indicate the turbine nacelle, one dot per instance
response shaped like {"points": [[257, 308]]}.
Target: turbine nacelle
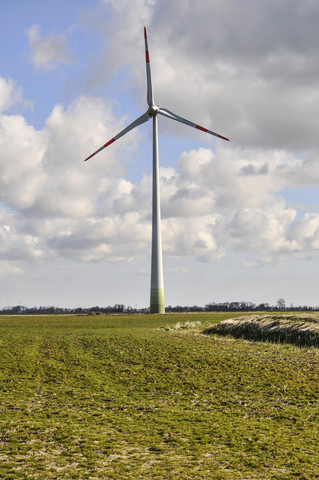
{"points": [[153, 110]]}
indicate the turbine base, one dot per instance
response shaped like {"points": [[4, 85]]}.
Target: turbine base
{"points": [[157, 300]]}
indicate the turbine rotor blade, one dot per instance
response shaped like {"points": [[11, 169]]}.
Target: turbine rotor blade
{"points": [[173, 116], [142, 119], [150, 99]]}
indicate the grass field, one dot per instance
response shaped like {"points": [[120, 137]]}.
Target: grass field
{"points": [[150, 397]]}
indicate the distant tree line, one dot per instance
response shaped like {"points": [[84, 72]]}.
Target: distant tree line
{"points": [[120, 308], [20, 310], [243, 307]]}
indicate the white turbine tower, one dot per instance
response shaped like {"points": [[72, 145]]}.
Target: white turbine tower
{"points": [[157, 304]]}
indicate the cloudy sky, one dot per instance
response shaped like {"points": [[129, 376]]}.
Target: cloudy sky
{"points": [[240, 219]]}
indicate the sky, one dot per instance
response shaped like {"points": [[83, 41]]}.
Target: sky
{"points": [[240, 219]]}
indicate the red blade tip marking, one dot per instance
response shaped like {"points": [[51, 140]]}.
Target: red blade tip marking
{"points": [[105, 145], [147, 56], [109, 142], [145, 34], [89, 157], [201, 128], [224, 138]]}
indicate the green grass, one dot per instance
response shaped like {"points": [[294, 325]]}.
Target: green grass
{"points": [[149, 397]]}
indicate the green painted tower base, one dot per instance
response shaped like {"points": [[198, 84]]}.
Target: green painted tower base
{"points": [[157, 300]]}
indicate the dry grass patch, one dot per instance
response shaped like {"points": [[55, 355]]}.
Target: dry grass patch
{"points": [[298, 329]]}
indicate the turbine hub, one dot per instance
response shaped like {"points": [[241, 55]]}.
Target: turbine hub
{"points": [[153, 109]]}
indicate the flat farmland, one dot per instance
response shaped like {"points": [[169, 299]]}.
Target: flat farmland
{"points": [[151, 397]]}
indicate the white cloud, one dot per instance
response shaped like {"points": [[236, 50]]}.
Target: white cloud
{"points": [[305, 232], [23, 148], [48, 51], [262, 230], [10, 94], [59, 205], [200, 237]]}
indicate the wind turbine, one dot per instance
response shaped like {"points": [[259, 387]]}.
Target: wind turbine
{"points": [[157, 304]]}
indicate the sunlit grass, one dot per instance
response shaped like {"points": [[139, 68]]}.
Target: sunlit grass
{"points": [[128, 397]]}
